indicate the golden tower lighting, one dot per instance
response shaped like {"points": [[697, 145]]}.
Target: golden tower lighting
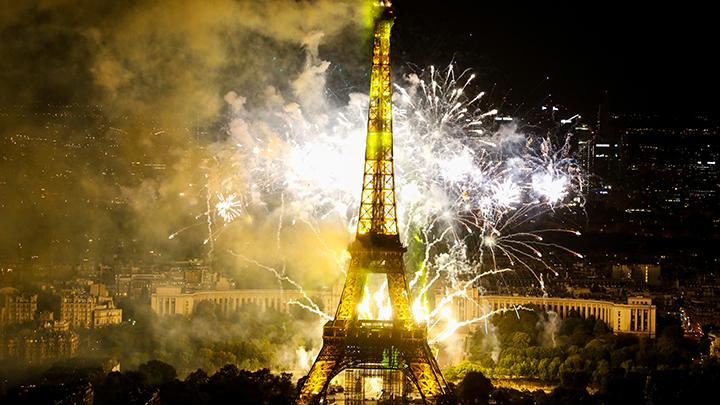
{"points": [[398, 345]]}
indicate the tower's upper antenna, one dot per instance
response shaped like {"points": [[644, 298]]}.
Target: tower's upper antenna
{"points": [[378, 211], [385, 9]]}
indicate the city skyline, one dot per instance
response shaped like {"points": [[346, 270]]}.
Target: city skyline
{"points": [[114, 136], [341, 201]]}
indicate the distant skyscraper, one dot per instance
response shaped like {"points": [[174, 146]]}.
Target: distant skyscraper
{"points": [[605, 152]]}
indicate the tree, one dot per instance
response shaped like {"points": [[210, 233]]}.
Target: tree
{"points": [[461, 370], [520, 340], [624, 388], [509, 396], [474, 388], [122, 389], [601, 373], [573, 373], [206, 310], [542, 368], [554, 368], [646, 355], [197, 377], [669, 387], [579, 337], [600, 328], [569, 396], [619, 356], [669, 346], [155, 373], [521, 321]]}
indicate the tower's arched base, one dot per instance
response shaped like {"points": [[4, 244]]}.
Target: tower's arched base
{"points": [[394, 350]]}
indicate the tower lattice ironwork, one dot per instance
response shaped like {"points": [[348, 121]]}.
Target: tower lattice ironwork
{"points": [[401, 343]]}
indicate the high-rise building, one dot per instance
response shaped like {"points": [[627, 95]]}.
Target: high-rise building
{"points": [[583, 137], [604, 151]]}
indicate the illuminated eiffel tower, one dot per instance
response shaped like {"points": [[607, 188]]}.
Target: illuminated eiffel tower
{"points": [[399, 345]]}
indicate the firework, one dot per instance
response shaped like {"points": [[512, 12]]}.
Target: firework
{"points": [[228, 207], [467, 189]]}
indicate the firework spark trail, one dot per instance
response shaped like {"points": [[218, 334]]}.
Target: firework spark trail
{"points": [[210, 238], [459, 180], [340, 261], [181, 230], [453, 326], [311, 305], [312, 309], [280, 221], [461, 291], [428, 247]]}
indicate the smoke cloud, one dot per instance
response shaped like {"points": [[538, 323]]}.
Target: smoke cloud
{"points": [[124, 109]]}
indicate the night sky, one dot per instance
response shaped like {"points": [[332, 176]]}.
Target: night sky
{"points": [[649, 58], [654, 58]]}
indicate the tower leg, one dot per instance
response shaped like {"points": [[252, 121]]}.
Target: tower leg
{"points": [[324, 368], [426, 374], [351, 295], [398, 291]]}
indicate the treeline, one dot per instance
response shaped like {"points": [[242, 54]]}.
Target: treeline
{"points": [[249, 339], [531, 344], [698, 384], [154, 382], [578, 354]]}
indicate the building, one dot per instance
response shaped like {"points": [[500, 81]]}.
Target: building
{"points": [[637, 316], [584, 146], [656, 167], [714, 350], [89, 311], [16, 307], [52, 340], [643, 274], [672, 165], [106, 314], [77, 309], [172, 301], [98, 290], [137, 285]]}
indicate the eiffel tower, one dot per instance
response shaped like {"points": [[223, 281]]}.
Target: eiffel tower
{"points": [[401, 344]]}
